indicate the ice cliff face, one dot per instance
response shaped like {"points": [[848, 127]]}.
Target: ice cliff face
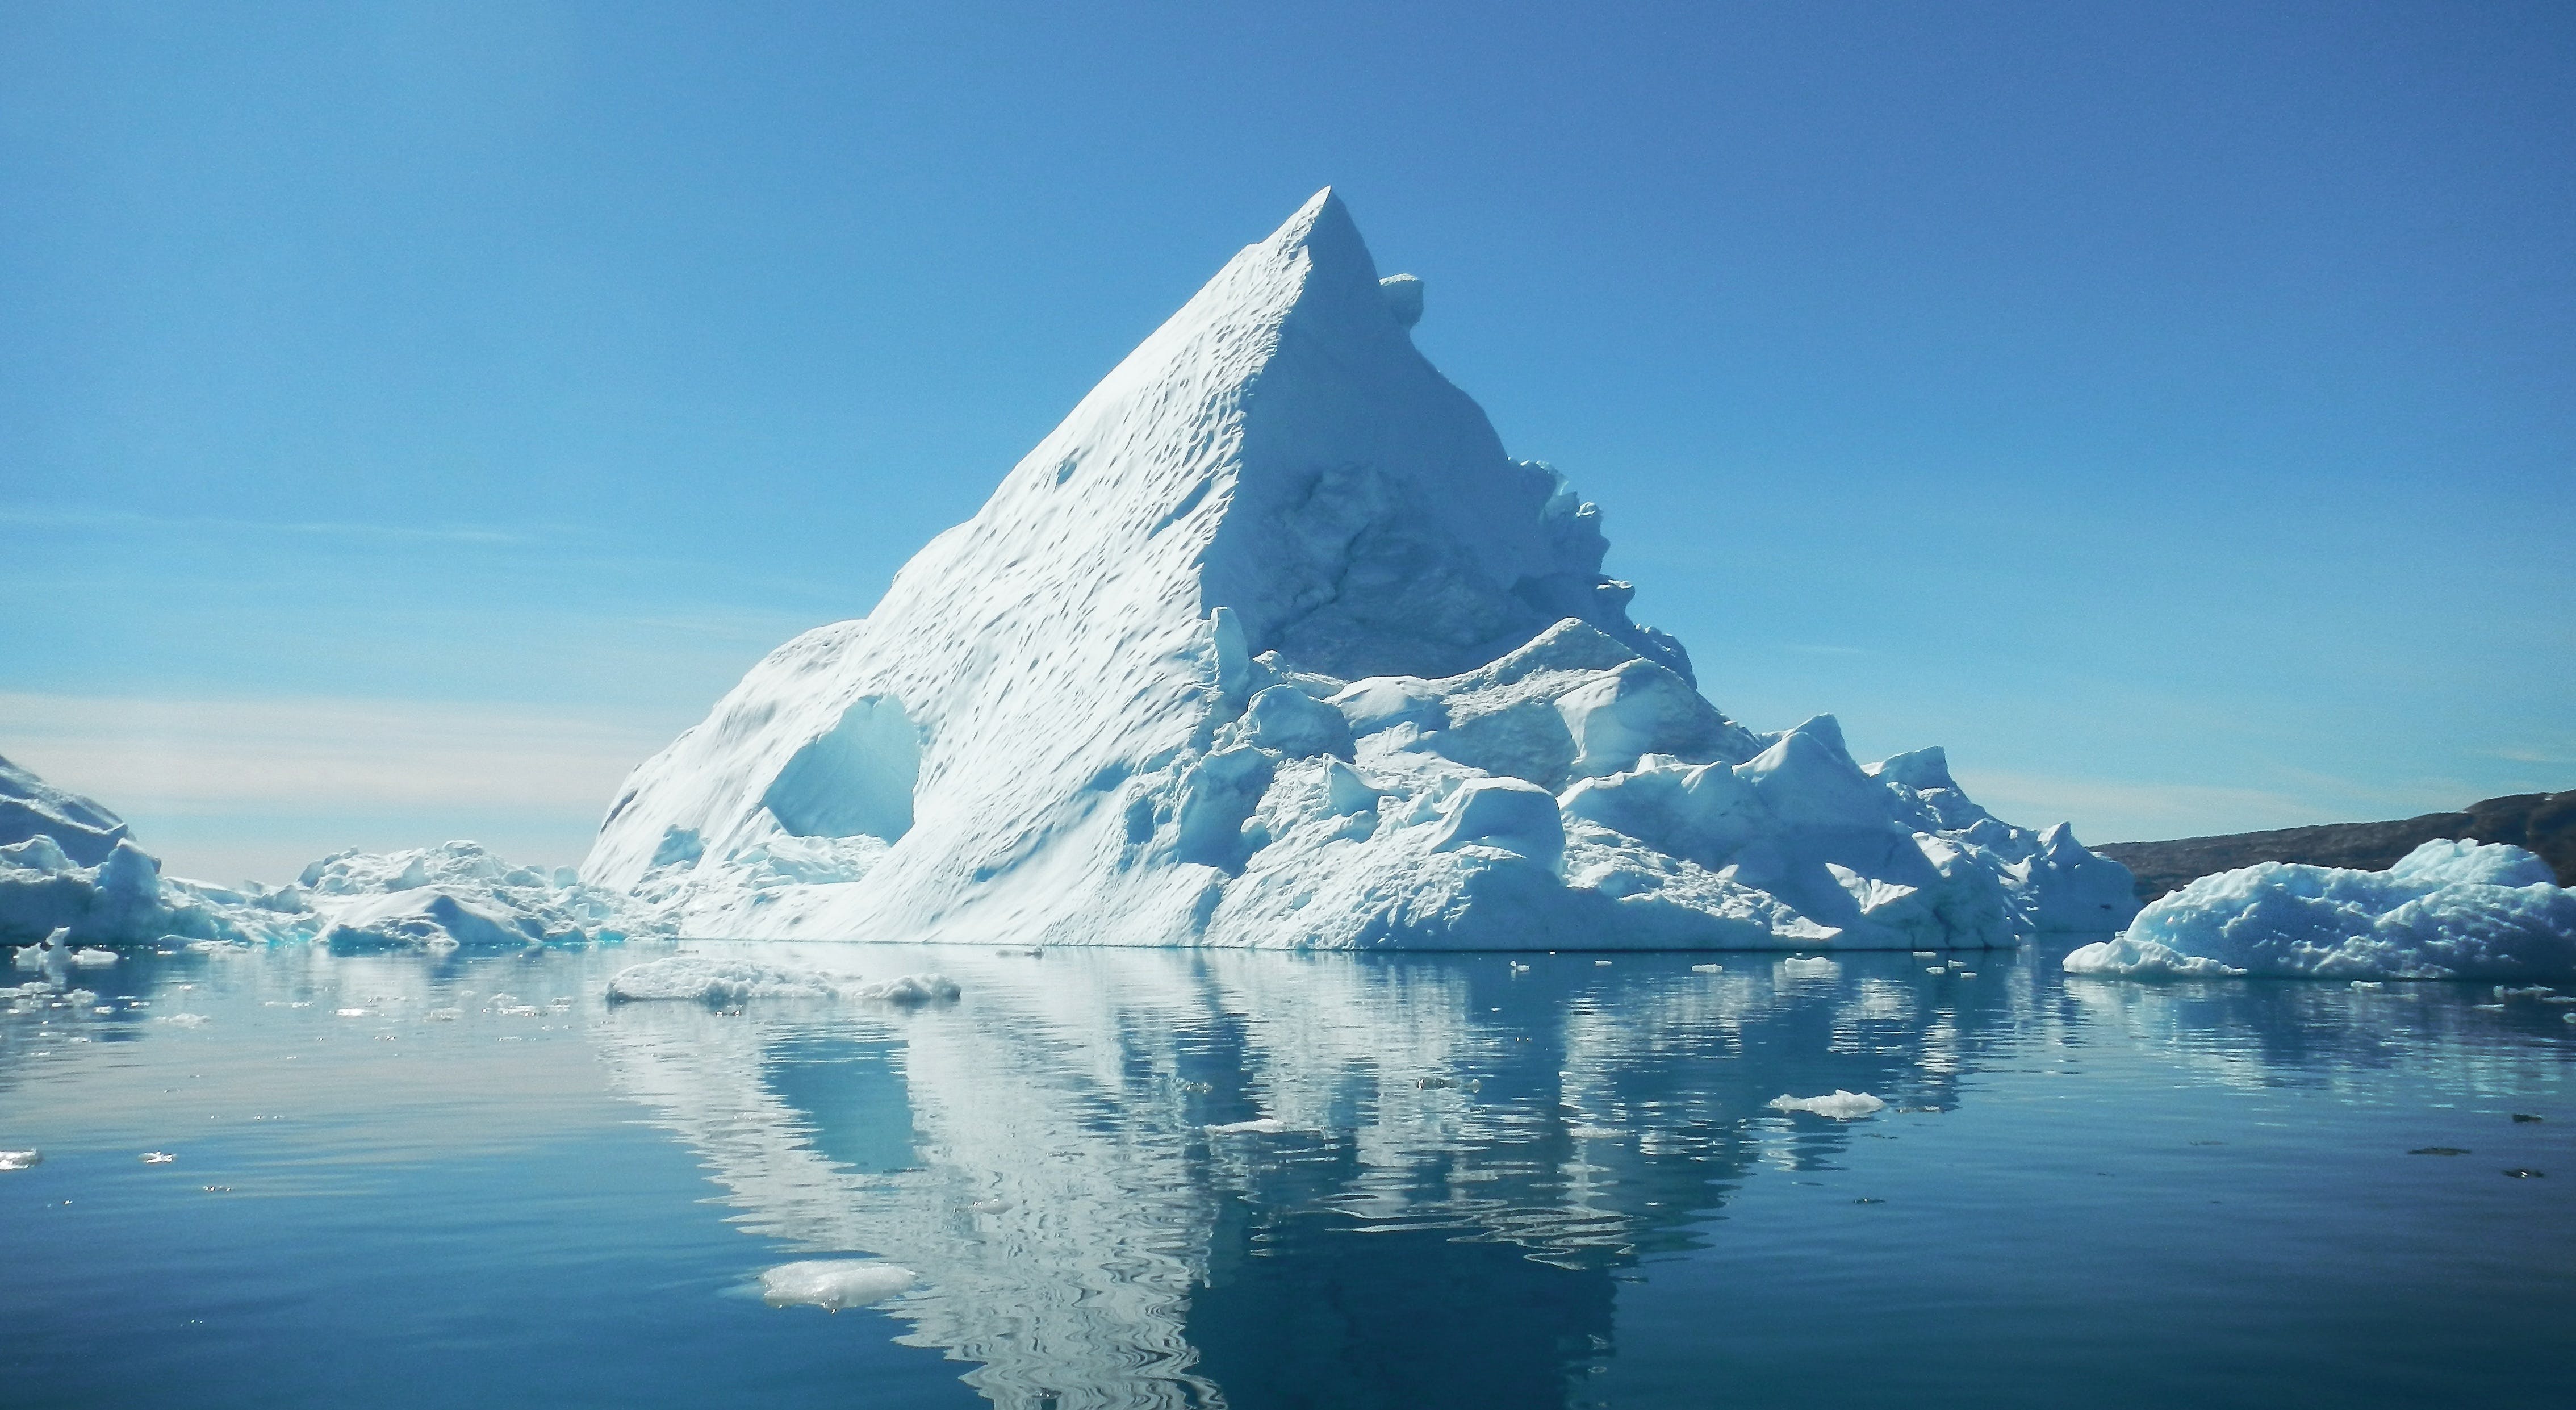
{"points": [[1271, 644]]}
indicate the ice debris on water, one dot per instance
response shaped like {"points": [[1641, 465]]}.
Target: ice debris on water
{"points": [[159, 1157], [182, 1020], [834, 1283], [21, 1160], [708, 979], [93, 958], [1839, 1104], [1708, 969], [2447, 910], [1805, 967], [1258, 1126]]}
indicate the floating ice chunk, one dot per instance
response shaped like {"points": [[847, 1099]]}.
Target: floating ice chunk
{"points": [[20, 1160], [443, 1015], [715, 981], [182, 1020], [2446, 910], [834, 1283], [995, 1205], [1840, 1105], [1258, 1126], [1809, 967], [910, 989], [350, 1013], [93, 958], [1708, 969], [159, 1157]]}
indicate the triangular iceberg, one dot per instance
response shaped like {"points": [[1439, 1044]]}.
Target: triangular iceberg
{"points": [[1270, 643]]}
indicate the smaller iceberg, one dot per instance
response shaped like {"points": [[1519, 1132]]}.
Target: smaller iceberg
{"points": [[2447, 910], [834, 1283]]}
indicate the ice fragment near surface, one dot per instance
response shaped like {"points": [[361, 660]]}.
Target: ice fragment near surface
{"points": [[1839, 1104], [834, 1283]]}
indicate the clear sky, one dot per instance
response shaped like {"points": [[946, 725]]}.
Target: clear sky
{"points": [[411, 415]]}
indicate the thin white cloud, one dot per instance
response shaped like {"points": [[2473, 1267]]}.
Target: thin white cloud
{"points": [[315, 755], [118, 521], [2120, 810]]}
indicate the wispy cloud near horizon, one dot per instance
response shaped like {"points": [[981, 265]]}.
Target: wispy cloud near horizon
{"points": [[259, 786]]}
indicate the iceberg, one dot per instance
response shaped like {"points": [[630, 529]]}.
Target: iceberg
{"points": [[1271, 644], [2447, 910], [72, 880]]}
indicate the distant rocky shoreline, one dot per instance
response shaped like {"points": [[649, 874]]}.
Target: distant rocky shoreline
{"points": [[2545, 823]]}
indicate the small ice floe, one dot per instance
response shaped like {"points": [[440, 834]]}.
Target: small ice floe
{"points": [[911, 989], [834, 1283], [1600, 964], [1708, 969], [715, 981], [21, 1160], [1839, 1104], [1964, 973], [443, 1015], [2368, 984], [1927, 954], [1258, 1126], [349, 1013], [2525, 991], [518, 1010], [93, 958], [2488, 1008], [183, 1020], [995, 1205], [159, 1157], [1934, 969], [2558, 998]]}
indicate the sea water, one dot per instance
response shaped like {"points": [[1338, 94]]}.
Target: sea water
{"points": [[1166, 1178]]}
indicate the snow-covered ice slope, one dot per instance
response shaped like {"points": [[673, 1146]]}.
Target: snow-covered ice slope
{"points": [[2447, 910], [1271, 644]]}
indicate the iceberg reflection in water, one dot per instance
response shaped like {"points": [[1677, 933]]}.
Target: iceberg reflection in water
{"points": [[1261, 1179], [1130, 1175]]}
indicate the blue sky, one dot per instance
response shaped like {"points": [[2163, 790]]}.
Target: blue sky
{"points": [[412, 415]]}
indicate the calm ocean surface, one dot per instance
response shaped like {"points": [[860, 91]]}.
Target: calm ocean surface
{"points": [[1558, 1187]]}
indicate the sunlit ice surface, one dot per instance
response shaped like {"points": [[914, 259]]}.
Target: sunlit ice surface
{"points": [[1173, 1178]]}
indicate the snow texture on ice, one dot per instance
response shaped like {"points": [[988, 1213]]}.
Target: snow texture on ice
{"points": [[1270, 643], [2447, 910]]}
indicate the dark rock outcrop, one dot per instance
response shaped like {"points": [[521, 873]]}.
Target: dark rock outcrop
{"points": [[2545, 823]]}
